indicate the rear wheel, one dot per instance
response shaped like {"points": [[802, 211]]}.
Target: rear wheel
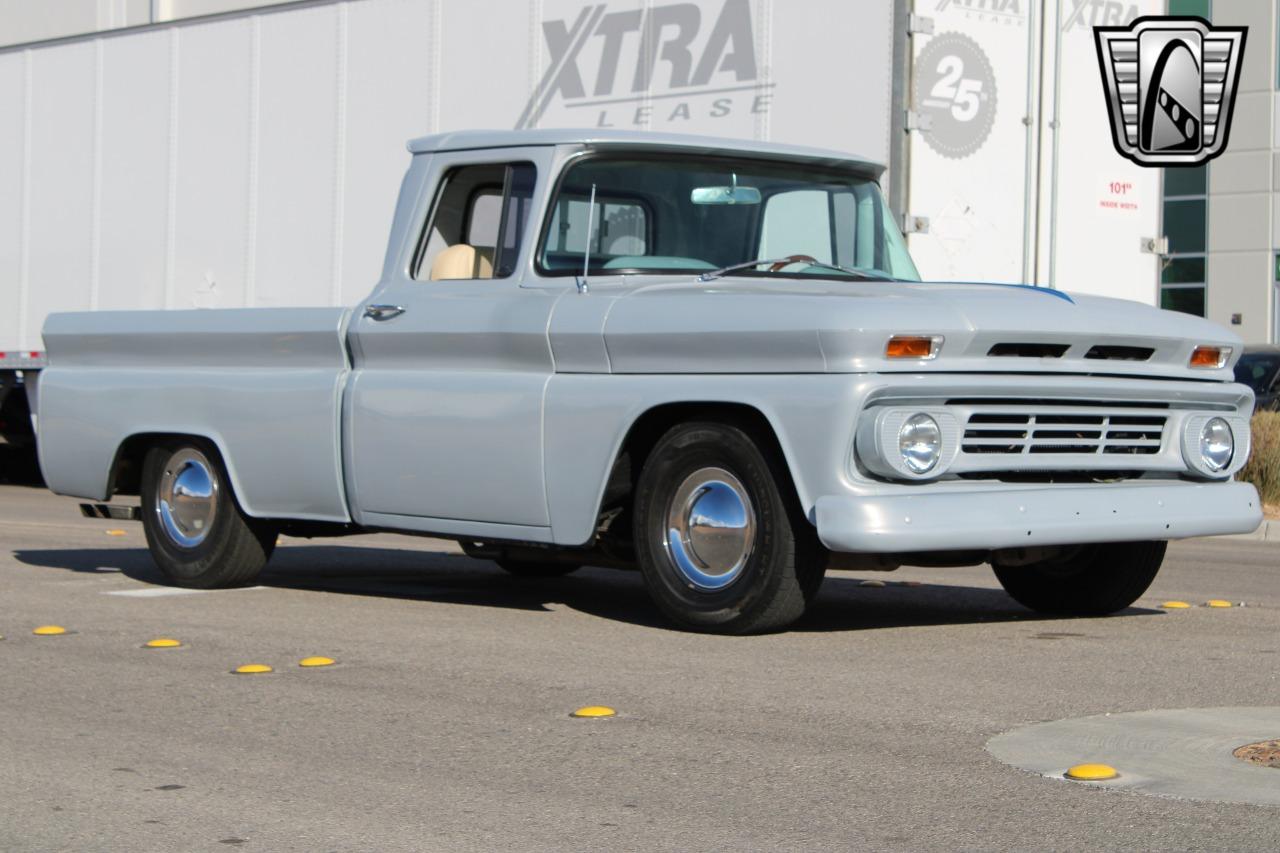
{"points": [[721, 547], [197, 533], [1091, 580]]}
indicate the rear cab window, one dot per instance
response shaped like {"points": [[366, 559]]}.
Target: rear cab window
{"points": [[619, 229]]}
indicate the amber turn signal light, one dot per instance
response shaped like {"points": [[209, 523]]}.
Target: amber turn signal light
{"points": [[913, 346], [1210, 357]]}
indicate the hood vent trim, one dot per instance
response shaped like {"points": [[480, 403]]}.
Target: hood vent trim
{"points": [[1097, 352], [1028, 350], [1113, 352]]}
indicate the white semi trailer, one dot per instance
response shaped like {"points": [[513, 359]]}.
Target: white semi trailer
{"points": [[174, 165]]}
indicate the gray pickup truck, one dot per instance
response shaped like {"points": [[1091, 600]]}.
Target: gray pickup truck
{"points": [[711, 360]]}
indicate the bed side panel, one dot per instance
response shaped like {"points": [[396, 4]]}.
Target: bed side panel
{"points": [[262, 384]]}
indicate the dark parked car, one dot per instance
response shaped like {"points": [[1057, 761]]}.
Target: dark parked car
{"points": [[1259, 368]]}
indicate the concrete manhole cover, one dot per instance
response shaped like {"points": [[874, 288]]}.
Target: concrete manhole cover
{"points": [[1192, 753], [1264, 753]]}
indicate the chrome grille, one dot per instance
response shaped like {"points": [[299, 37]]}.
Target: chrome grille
{"points": [[1062, 431]]}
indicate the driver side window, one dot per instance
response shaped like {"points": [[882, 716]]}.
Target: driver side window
{"points": [[478, 223]]}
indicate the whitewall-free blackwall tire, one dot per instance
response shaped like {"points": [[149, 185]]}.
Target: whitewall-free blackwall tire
{"points": [[195, 529], [721, 546]]}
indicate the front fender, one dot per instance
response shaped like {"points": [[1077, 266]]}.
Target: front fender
{"points": [[587, 419]]}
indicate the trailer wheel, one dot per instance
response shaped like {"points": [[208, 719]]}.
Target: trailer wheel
{"points": [[196, 531], [719, 546], [1092, 580]]}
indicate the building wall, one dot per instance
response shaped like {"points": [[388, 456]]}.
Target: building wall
{"points": [[23, 21], [1244, 205], [1238, 258]]}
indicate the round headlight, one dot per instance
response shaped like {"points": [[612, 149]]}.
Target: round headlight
{"points": [[920, 443], [1217, 444]]}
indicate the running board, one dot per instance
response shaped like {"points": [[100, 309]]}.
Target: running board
{"points": [[119, 513]]}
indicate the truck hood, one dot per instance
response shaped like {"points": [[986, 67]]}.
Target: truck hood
{"points": [[756, 325]]}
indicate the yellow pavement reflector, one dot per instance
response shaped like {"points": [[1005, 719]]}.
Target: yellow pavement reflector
{"points": [[1092, 772], [1175, 605], [316, 660], [163, 643], [49, 631], [872, 583], [252, 668], [1217, 602], [594, 711], [114, 532]]}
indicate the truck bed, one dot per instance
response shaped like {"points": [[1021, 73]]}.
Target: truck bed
{"points": [[263, 383]]}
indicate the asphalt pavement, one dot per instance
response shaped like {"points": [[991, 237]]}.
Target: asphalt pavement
{"points": [[444, 723]]}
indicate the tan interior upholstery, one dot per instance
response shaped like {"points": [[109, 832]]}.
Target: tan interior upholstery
{"points": [[462, 261]]}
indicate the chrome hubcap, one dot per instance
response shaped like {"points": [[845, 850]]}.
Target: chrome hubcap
{"points": [[188, 498], [711, 529]]}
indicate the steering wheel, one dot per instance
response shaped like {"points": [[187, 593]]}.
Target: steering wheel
{"points": [[792, 259]]}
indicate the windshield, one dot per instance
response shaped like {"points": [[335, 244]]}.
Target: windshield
{"points": [[1257, 370], [689, 214]]}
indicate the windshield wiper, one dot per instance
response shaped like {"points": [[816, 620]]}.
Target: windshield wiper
{"points": [[778, 263]]}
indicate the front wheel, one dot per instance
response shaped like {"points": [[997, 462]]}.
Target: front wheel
{"points": [[722, 548], [1092, 580], [198, 535]]}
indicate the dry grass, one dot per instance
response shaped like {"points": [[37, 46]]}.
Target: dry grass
{"points": [[1263, 469]]}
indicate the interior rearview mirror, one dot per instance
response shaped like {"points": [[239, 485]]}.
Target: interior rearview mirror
{"points": [[725, 195], [732, 194]]}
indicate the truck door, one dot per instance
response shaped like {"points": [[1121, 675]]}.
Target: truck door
{"points": [[444, 410]]}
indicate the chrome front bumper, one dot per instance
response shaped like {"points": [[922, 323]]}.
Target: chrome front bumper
{"points": [[1060, 515]]}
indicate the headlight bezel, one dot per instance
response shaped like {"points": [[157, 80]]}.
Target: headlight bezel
{"points": [[876, 446], [1192, 429]]}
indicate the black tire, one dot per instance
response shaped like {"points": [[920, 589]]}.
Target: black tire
{"points": [[1092, 580], [785, 564], [15, 419], [527, 569], [230, 552]]}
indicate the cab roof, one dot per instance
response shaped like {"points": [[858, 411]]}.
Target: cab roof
{"points": [[467, 140]]}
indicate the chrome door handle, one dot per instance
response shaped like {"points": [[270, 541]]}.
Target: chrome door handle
{"points": [[382, 312]]}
